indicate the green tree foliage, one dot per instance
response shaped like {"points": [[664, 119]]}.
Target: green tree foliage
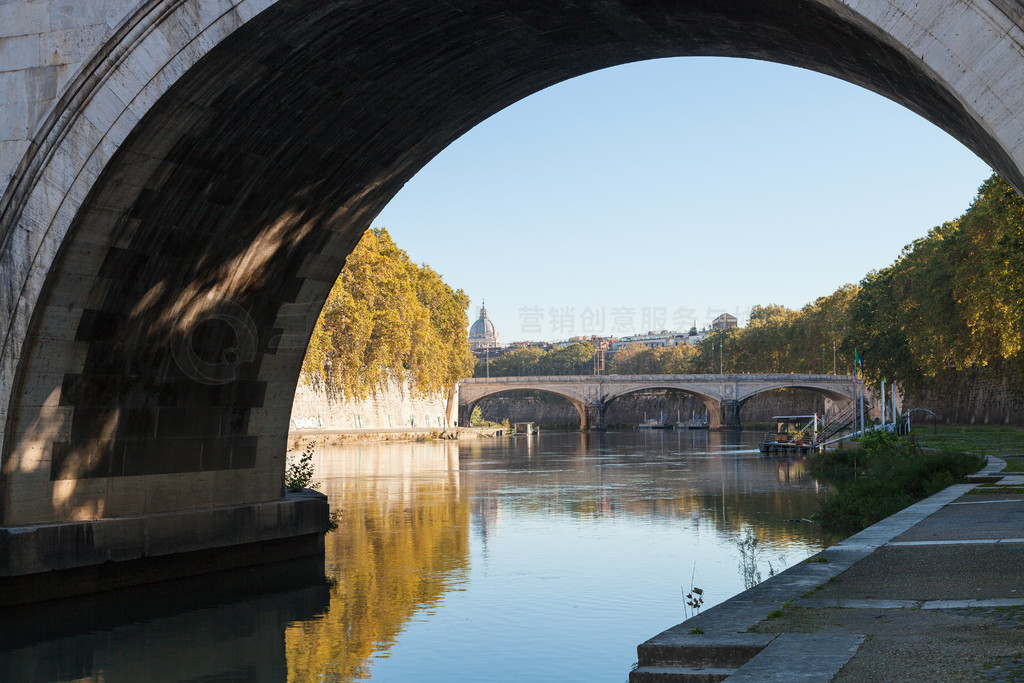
{"points": [[952, 301], [531, 361], [574, 359], [387, 317], [521, 362], [638, 359]]}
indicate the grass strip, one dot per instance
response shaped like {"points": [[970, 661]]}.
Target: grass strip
{"points": [[998, 440]]}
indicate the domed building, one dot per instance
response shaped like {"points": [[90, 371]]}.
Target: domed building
{"points": [[482, 333]]}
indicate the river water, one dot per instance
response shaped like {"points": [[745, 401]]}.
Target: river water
{"points": [[544, 557]]}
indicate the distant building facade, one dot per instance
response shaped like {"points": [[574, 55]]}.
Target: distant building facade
{"points": [[724, 322], [663, 339], [484, 341]]}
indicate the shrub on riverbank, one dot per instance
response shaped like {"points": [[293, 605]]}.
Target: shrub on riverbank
{"points": [[881, 477]]}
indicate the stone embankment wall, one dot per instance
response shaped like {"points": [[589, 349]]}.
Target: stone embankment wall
{"points": [[630, 410], [394, 406], [972, 398]]}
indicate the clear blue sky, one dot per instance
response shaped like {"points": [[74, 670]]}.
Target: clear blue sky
{"points": [[649, 195]]}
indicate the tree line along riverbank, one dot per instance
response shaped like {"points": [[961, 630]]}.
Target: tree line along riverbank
{"points": [[945, 321]]}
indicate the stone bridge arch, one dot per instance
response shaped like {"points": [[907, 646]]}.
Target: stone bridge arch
{"points": [[181, 186], [828, 390], [834, 399], [577, 401], [711, 400]]}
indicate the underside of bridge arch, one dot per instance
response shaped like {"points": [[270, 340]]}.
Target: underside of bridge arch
{"points": [[547, 408], [168, 332], [623, 408], [796, 399], [830, 394], [764, 405]]}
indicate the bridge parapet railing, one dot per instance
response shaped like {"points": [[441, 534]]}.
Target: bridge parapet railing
{"points": [[534, 379]]}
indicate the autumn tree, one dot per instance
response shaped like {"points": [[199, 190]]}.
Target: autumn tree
{"points": [[388, 318]]}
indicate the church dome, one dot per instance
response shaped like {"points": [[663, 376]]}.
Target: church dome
{"points": [[483, 334]]}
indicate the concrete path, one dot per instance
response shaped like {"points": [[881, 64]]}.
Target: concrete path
{"points": [[932, 593]]}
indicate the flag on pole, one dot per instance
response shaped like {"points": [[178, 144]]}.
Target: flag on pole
{"points": [[858, 365]]}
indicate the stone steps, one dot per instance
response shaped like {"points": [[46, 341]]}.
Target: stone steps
{"points": [[674, 674], [696, 658]]}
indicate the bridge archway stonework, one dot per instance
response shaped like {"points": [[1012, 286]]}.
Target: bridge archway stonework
{"points": [[181, 181], [467, 402], [723, 394]]}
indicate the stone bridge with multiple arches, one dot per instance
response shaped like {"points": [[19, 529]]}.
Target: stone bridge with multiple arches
{"points": [[723, 395], [182, 180]]}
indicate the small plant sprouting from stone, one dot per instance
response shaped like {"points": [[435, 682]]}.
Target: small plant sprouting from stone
{"points": [[696, 631], [750, 551], [299, 474], [750, 557], [694, 600]]}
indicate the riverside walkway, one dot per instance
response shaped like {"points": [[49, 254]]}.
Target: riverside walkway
{"points": [[932, 593]]}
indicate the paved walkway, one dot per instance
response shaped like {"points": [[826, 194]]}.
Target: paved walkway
{"points": [[933, 593]]}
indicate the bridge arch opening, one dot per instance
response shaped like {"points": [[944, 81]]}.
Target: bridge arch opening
{"points": [[165, 271], [668, 403], [548, 409], [762, 406]]}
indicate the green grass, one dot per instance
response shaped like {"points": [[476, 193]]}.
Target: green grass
{"points": [[992, 490], [1014, 465], [999, 440]]}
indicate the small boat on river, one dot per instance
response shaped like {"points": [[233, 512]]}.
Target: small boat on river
{"points": [[792, 436]]}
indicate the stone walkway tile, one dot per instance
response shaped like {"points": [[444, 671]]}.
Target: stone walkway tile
{"points": [[805, 657], [859, 604], [971, 604]]}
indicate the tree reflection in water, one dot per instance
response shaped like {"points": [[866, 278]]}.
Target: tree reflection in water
{"points": [[402, 542]]}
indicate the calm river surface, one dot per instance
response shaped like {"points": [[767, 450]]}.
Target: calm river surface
{"points": [[545, 557]]}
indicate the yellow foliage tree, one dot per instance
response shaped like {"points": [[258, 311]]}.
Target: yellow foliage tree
{"points": [[388, 318]]}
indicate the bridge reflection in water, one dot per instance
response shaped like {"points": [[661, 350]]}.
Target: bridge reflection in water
{"points": [[480, 560]]}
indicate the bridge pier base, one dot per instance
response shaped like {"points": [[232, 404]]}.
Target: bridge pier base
{"points": [[731, 415], [52, 561], [593, 417]]}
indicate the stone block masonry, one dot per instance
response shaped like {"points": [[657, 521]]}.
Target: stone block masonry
{"points": [[43, 44], [393, 406]]}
